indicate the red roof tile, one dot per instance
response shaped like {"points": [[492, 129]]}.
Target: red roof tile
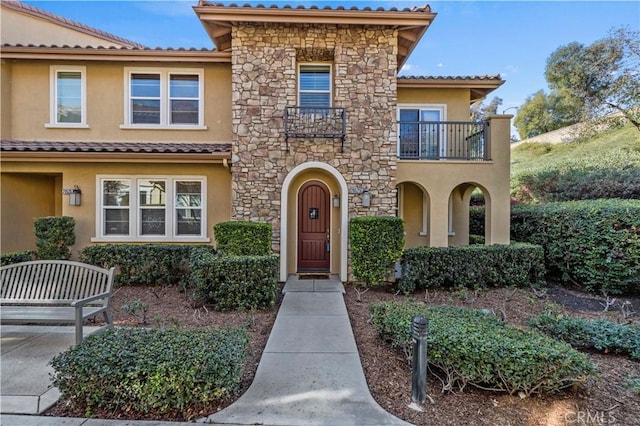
{"points": [[114, 147]]}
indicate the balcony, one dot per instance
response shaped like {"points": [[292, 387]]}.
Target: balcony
{"points": [[443, 140], [315, 122]]}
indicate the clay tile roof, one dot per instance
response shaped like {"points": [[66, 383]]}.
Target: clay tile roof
{"points": [[9, 145], [113, 48], [78, 26], [425, 8], [457, 77]]}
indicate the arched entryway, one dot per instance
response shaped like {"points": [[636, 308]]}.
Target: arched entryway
{"points": [[314, 227], [314, 179]]}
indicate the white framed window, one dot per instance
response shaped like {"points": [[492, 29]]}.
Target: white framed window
{"points": [[420, 134], [68, 94], [164, 99], [150, 208], [314, 85]]}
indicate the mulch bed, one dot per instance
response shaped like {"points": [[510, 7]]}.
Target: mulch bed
{"points": [[604, 400]]}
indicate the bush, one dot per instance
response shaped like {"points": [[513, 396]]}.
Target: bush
{"points": [[601, 335], [472, 266], [470, 347], [143, 264], [243, 238], [54, 236], [141, 371], [16, 257], [594, 244], [476, 239], [476, 220], [235, 282], [376, 245]]}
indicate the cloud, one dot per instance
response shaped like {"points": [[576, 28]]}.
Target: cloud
{"points": [[510, 69], [440, 65], [407, 67]]}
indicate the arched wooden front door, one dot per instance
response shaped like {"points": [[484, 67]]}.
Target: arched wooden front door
{"points": [[313, 227]]}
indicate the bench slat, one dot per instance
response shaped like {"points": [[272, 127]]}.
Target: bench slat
{"points": [[45, 314]]}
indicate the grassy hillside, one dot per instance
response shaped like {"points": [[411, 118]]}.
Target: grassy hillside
{"points": [[606, 166]]}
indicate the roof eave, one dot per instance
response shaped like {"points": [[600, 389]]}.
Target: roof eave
{"points": [[123, 157], [478, 88], [107, 54]]}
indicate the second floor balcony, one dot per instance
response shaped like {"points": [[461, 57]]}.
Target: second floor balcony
{"points": [[315, 122], [443, 140]]}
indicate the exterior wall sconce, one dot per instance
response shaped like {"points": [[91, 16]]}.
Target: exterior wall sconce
{"points": [[366, 198], [75, 195], [336, 201]]}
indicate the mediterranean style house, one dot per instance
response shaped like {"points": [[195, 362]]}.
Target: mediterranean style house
{"points": [[297, 118]]}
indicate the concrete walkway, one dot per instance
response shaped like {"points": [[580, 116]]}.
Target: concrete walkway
{"points": [[309, 374]]}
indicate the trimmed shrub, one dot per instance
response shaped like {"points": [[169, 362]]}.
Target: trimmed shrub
{"points": [[16, 257], [470, 347], [597, 334], [594, 244], [376, 245], [54, 236], [243, 238], [144, 264], [472, 266], [476, 239], [160, 371], [476, 220], [235, 282]]}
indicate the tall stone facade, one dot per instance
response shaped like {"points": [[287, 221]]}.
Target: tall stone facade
{"points": [[265, 60]]}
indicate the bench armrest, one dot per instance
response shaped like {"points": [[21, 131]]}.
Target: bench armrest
{"points": [[81, 302]]}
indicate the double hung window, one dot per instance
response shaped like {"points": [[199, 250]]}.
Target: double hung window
{"points": [[314, 86], [150, 208], [164, 99], [68, 97]]}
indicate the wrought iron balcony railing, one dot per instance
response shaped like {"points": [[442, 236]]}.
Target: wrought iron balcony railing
{"points": [[315, 122], [443, 140]]}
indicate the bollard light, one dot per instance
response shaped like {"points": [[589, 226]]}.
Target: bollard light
{"points": [[419, 332]]}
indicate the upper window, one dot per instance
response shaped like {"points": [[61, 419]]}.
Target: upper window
{"points": [[420, 132], [143, 208], [314, 86], [68, 97], [164, 98]]}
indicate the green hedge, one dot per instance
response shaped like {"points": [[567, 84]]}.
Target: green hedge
{"points": [[144, 264], [599, 334], [243, 238], [476, 220], [470, 347], [16, 257], [159, 371], [376, 245], [54, 236], [472, 266], [235, 282], [595, 243]]}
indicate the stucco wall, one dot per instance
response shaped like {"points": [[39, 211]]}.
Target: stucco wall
{"points": [[29, 109], [456, 100], [24, 178], [264, 82]]}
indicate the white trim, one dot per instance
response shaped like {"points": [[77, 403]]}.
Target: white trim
{"points": [[164, 98], [343, 231], [53, 97], [134, 210], [317, 64]]}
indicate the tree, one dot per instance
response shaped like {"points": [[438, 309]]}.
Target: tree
{"points": [[543, 113], [480, 111], [601, 78]]}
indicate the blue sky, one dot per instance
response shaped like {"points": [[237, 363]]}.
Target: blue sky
{"points": [[510, 38]]}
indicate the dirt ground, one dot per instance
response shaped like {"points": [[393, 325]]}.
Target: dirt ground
{"points": [[605, 400]]}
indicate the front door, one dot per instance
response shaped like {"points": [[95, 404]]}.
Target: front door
{"points": [[313, 227]]}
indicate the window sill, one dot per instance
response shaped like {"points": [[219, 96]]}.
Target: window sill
{"points": [[159, 127], [423, 234], [66, 126], [115, 239]]}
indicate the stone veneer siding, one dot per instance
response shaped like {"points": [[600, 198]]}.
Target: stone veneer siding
{"points": [[264, 82]]}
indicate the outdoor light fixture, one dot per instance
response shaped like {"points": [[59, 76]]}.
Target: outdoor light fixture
{"points": [[336, 200], [74, 195], [366, 198]]}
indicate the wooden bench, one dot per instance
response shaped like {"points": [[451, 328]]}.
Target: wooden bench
{"points": [[55, 292]]}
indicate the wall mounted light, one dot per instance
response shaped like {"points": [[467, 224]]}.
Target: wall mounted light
{"points": [[75, 195], [366, 198], [336, 200]]}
